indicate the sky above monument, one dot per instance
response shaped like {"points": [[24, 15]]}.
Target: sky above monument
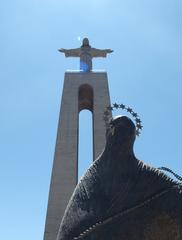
{"points": [[144, 72]]}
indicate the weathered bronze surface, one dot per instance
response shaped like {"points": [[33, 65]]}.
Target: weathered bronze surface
{"points": [[121, 198], [85, 53]]}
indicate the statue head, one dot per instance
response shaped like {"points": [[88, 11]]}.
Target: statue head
{"points": [[122, 131], [85, 43]]}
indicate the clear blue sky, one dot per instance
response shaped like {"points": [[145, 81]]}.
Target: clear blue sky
{"points": [[145, 72]]}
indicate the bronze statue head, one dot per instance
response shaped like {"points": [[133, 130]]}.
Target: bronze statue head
{"points": [[121, 133]]}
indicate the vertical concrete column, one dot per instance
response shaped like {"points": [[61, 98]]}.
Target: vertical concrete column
{"points": [[80, 91], [64, 172], [101, 102]]}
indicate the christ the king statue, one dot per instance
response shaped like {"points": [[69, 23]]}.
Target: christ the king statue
{"points": [[85, 53]]}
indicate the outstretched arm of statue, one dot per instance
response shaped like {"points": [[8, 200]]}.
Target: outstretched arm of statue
{"points": [[70, 52], [100, 52]]}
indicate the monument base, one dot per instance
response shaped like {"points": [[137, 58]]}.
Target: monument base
{"points": [[80, 91]]}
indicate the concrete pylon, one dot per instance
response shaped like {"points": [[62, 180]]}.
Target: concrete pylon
{"points": [[81, 90]]}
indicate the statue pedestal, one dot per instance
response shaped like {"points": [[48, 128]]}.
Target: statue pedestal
{"points": [[82, 90]]}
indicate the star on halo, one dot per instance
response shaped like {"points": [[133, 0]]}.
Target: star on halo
{"points": [[107, 116]]}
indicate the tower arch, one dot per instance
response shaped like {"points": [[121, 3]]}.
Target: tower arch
{"points": [[85, 103], [85, 97]]}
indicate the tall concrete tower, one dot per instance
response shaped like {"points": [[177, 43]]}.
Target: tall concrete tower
{"points": [[84, 89]]}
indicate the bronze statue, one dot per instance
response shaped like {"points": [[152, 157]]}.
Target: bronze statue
{"points": [[122, 198], [85, 53]]}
